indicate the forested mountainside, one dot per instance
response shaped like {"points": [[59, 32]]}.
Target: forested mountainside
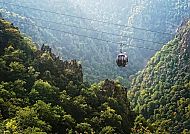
{"points": [[160, 93], [98, 58], [41, 93]]}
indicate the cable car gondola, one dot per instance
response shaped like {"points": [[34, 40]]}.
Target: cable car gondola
{"points": [[122, 59]]}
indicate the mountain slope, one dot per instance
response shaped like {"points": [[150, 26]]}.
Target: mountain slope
{"points": [[161, 91], [98, 58], [39, 93]]}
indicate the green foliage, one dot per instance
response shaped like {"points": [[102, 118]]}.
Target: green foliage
{"points": [[84, 128], [42, 91], [39, 93], [160, 93], [107, 130]]}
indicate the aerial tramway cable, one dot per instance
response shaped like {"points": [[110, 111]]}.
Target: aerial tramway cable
{"points": [[102, 32], [84, 18], [122, 58], [86, 36]]}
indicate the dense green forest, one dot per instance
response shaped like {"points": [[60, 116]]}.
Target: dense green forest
{"points": [[47, 75], [41, 93], [160, 93], [98, 57]]}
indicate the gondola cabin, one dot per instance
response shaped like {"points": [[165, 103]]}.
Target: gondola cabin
{"points": [[122, 60]]}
